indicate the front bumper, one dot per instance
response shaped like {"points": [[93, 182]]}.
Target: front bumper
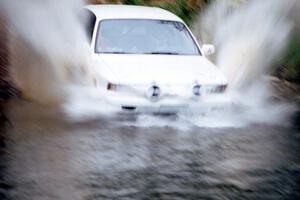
{"points": [[140, 104]]}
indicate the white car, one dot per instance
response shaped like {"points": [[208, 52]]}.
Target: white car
{"points": [[149, 60]]}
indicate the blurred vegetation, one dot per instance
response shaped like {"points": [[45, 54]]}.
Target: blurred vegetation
{"points": [[188, 10], [185, 9], [290, 69]]}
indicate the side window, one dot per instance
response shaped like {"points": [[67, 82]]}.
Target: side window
{"points": [[88, 20]]}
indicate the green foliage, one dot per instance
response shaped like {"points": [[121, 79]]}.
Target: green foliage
{"points": [[292, 61], [180, 8], [134, 2]]}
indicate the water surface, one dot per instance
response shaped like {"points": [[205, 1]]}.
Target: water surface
{"points": [[45, 156]]}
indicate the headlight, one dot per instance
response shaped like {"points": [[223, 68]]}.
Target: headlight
{"points": [[154, 91], [215, 89], [220, 88], [119, 88], [196, 90], [111, 87]]}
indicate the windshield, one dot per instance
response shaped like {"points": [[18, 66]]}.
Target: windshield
{"points": [[139, 36]]}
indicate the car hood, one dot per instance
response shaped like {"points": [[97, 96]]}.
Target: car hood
{"points": [[162, 69]]}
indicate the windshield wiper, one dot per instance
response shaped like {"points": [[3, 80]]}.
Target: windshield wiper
{"points": [[163, 53], [155, 53], [114, 52]]}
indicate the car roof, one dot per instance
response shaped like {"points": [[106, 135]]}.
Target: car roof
{"points": [[131, 12]]}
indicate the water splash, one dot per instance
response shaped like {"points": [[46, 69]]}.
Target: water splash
{"points": [[50, 59], [250, 36], [46, 42]]}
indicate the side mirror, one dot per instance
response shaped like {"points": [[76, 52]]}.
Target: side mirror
{"points": [[208, 49]]}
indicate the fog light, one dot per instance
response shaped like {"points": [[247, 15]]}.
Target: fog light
{"points": [[196, 90], [154, 91]]}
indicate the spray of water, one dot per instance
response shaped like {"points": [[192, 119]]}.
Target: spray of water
{"points": [[50, 58], [250, 36], [46, 42]]}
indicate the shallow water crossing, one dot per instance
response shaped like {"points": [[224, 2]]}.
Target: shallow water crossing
{"points": [[45, 157], [72, 145]]}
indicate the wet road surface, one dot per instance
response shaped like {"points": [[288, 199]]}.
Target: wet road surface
{"points": [[46, 157]]}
